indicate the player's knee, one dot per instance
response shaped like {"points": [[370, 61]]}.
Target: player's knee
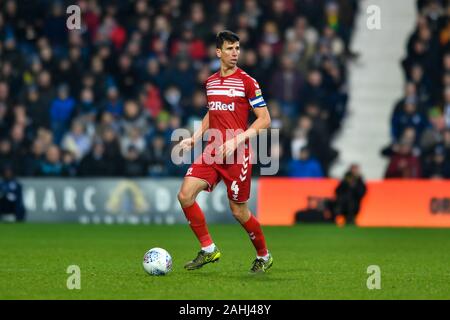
{"points": [[238, 213], [185, 198]]}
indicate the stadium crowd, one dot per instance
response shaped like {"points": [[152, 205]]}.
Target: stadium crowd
{"points": [[420, 124], [104, 100]]}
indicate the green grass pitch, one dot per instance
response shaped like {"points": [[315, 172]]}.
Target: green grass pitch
{"points": [[310, 262]]}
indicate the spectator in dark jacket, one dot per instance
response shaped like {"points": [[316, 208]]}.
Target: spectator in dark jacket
{"points": [[436, 166], [34, 159], [37, 110], [6, 157], [313, 90], [95, 164], [286, 86], [408, 117], [52, 165], [157, 156], [69, 164], [11, 198], [87, 105], [349, 194], [113, 103], [134, 164], [112, 150]]}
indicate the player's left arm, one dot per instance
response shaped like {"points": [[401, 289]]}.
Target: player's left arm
{"points": [[262, 122]]}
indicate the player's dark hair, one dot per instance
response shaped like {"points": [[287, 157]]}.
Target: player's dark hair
{"points": [[226, 35]]}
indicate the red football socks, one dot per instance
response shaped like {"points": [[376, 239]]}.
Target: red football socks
{"points": [[197, 222], [254, 230]]}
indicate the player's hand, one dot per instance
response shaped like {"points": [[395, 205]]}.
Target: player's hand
{"points": [[186, 144], [229, 147]]}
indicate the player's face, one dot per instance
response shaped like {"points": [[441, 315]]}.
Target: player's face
{"points": [[229, 53]]}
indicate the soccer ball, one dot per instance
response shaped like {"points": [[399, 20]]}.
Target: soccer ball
{"points": [[157, 262]]}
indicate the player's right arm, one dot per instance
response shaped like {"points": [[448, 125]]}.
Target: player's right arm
{"points": [[188, 143]]}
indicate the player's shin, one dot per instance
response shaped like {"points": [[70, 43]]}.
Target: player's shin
{"points": [[256, 234], [197, 222]]}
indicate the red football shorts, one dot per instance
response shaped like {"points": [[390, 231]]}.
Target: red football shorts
{"points": [[236, 176]]}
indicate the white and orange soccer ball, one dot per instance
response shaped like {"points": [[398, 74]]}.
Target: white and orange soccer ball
{"points": [[157, 262]]}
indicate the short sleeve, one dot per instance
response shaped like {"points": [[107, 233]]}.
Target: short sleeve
{"points": [[254, 94]]}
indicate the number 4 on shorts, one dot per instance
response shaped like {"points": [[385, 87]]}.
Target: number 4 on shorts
{"points": [[235, 189]]}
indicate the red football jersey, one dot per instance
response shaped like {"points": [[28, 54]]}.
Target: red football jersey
{"points": [[230, 99]]}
